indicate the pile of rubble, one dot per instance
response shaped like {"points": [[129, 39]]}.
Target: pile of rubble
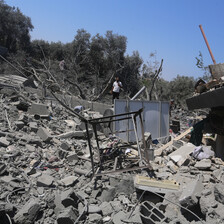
{"points": [[46, 174]]}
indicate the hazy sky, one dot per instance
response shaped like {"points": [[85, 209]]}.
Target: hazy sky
{"points": [[169, 27]]}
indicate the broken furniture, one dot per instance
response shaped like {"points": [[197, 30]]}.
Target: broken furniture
{"points": [[143, 157], [142, 153]]}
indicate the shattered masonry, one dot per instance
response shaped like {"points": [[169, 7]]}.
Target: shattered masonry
{"points": [[47, 171]]}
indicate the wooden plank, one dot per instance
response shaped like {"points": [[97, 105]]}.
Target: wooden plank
{"points": [[158, 152]]}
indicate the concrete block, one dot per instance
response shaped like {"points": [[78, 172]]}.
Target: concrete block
{"points": [[94, 209], [4, 142], [33, 126], [204, 164], [28, 213], [95, 218], [108, 195], [44, 134], [38, 109], [181, 155], [72, 157], [207, 201], [45, 181], [68, 181], [106, 208], [68, 216], [192, 192], [151, 214]]}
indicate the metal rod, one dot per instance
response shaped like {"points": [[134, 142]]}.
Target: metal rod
{"points": [[97, 141], [101, 122], [143, 137], [206, 41], [90, 147], [136, 136], [118, 115], [138, 93], [123, 170]]}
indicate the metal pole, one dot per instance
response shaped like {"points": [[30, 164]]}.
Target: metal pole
{"points": [[136, 136], [138, 93], [206, 41], [90, 147]]}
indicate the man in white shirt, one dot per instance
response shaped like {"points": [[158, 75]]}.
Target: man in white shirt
{"points": [[117, 85]]}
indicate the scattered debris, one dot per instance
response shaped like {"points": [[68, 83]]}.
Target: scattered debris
{"points": [[58, 166]]}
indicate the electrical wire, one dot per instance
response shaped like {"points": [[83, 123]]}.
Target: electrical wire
{"points": [[10, 221]]}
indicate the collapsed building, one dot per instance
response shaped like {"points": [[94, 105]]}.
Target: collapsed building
{"points": [[67, 160]]}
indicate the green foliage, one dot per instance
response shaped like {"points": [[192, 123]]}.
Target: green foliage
{"points": [[200, 64], [131, 73], [90, 61], [14, 28]]}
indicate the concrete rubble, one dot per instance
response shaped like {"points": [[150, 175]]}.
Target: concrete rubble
{"points": [[46, 173]]}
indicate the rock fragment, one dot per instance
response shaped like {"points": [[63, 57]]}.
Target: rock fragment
{"points": [[219, 193], [44, 134], [68, 181], [28, 213], [67, 215], [45, 181], [4, 142], [192, 192], [203, 164]]}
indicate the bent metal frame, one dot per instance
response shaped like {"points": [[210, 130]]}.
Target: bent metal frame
{"points": [[142, 153]]}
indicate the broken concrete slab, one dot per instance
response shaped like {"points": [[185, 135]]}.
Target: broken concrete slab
{"points": [[118, 217], [192, 192], [106, 208], [108, 195], [45, 181], [72, 156], [28, 213], [44, 134], [38, 109], [204, 164], [95, 218], [94, 209], [69, 198], [219, 193], [181, 155], [67, 215], [69, 181], [4, 142]]}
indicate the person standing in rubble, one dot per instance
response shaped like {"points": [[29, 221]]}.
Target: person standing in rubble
{"points": [[117, 86]]}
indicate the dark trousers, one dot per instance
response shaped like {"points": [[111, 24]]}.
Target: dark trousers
{"points": [[115, 96]]}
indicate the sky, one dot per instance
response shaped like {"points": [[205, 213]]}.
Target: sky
{"points": [[168, 27]]}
